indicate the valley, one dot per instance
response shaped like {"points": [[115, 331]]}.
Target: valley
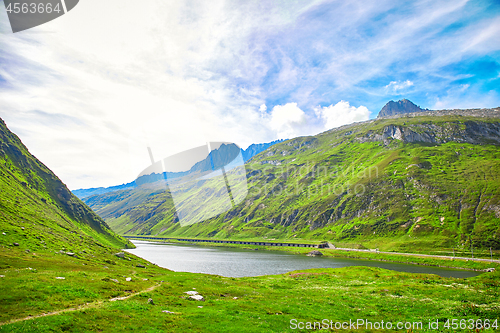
{"points": [[428, 185], [420, 182]]}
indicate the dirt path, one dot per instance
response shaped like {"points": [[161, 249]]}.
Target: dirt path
{"points": [[80, 307]]}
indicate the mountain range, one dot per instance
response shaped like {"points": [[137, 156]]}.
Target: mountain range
{"points": [[413, 180], [247, 154]]}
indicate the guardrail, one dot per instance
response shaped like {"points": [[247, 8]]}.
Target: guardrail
{"points": [[262, 243]]}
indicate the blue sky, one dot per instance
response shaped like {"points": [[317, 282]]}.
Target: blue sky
{"points": [[89, 91]]}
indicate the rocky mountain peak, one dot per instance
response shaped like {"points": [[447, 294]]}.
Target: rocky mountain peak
{"points": [[394, 108]]}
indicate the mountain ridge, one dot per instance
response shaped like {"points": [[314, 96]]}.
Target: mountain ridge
{"points": [[247, 154], [32, 193], [412, 146]]}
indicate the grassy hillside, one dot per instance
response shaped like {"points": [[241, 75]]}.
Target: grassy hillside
{"points": [[408, 184], [37, 211]]}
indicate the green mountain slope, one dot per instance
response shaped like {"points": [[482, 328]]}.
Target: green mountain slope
{"points": [[37, 211], [405, 183]]}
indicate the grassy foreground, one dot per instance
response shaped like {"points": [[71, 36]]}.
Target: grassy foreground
{"points": [[29, 287]]}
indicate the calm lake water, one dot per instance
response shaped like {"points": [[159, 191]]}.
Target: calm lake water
{"points": [[233, 262]]}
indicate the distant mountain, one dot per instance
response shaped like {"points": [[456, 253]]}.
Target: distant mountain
{"points": [[394, 108], [83, 193], [256, 148], [247, 154], [34, 200]]}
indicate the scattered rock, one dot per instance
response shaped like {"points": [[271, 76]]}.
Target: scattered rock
{"points": [[60, 278], [3, 233], [166, 311], [197, 297], [15, 244], [27, 251], [144, 279], [140, 266], [71, 254], [120, 254], [200, 306], [191, 292], [22, 228], [235, 297], [115, 280], [491, 269], [314, 253], [128, 279], [1, 276], [150, 301]]}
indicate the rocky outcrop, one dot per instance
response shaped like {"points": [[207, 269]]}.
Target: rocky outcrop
{"points": [[314, 253], [400, 107], [467, 132]]}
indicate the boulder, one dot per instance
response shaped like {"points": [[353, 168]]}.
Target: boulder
{"points": [[128, 279], [491, 269], [140, 266], [197, 297], [150, 301], [166, 311], [191, 292], [314, 253], [120, 254], [15, 244]]}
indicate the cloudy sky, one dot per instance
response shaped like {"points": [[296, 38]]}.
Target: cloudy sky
{"points": [[91, 90]]}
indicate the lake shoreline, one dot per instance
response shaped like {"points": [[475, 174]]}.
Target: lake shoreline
{"points": [[416, 259], [174, 258]]}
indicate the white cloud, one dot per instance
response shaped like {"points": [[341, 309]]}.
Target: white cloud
{"points": [[263, 108], [288, 121], [398, 86], [165, 81], [341, 114]]}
